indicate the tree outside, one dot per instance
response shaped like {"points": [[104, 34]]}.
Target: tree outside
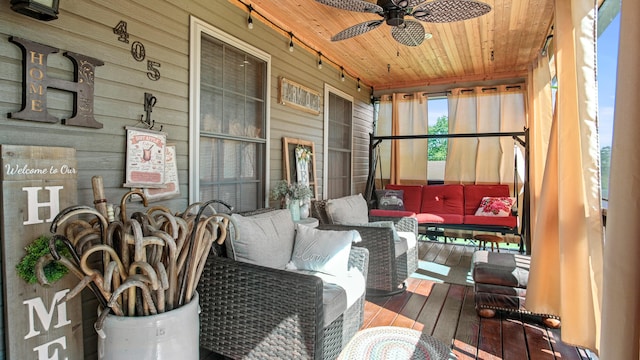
{"points": [[437, 148]]}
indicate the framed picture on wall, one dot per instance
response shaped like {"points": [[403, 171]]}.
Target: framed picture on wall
{"points": [[298, 96], [145, 158]]}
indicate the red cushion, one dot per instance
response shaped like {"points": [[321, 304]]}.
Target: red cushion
{"points": [[412, 196], [391, 213], [443, 199], [427, 218], [509, 221], [473, 194]]}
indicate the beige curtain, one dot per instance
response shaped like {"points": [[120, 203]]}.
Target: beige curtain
{"points": [[566, 261], [411, 155], [403, 161], [484, 110], [621, 294], [383, 128], [540, 114]]}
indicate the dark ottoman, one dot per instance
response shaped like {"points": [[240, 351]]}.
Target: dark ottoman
{"points": [[501, 284]]}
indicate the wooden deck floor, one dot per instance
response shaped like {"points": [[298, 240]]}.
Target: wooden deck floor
{"points": [[446, 311]]}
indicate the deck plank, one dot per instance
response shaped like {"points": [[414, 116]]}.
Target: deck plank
{"points": [[563, 350], [407, 316], [514, 346], [490, 342], [465, 343], [427, 318], [445, 330], [538, 342]]}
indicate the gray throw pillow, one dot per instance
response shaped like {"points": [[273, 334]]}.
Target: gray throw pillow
{"points": [[390, 199], [325, 251], [348, 210], [265, 239]]}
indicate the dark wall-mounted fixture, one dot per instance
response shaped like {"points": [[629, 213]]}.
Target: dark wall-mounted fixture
{"points": [[38, 9]]}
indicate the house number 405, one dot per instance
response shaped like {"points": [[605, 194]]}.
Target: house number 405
{"points": [[137, 50]]}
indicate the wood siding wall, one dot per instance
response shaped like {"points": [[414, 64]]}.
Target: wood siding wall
{"points": [[86, 27]]}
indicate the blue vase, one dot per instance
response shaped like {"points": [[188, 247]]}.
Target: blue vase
{"points": [[294, 207]]}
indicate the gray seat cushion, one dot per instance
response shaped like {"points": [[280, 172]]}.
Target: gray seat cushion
{"points": [[500, 269]]}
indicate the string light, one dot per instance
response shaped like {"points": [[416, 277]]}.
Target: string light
{"points": [[250, 19], [251, 10], [291, 42]]}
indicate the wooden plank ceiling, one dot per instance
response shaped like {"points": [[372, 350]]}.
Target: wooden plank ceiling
{"points": [[497, 45]]}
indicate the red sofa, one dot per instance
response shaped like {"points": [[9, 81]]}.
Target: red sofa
{"points": [[451, 206]]}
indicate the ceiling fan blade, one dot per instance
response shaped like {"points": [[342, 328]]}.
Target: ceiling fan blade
{"points": [[411, 33], [443, 11], [403, 4], [353, 5], [356, 30]]}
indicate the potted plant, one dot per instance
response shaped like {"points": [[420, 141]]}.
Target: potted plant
{"points": [[292, 196]]}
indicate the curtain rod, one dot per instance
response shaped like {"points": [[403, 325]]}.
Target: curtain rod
{"points": [[445, 136]]}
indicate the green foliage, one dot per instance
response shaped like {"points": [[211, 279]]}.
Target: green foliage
{"points": [[293, 191], [37, 249], [437, 148]]}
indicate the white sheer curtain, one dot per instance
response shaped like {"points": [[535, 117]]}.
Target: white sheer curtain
{"points": [[485, 159], [566, 261], [620, 337]]}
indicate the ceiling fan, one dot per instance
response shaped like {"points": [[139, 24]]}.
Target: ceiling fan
{"points": [[393, 12]]}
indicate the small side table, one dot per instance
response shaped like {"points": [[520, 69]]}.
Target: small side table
{"points": [[310, 221], [493, 239]]}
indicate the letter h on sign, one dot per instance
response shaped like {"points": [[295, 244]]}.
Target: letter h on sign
{"points": [[35, 83]]}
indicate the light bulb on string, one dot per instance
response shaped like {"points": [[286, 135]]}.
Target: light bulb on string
{"points": [[341, 73], [319, 60], [291, 42], [250, 19], [359, 89]]}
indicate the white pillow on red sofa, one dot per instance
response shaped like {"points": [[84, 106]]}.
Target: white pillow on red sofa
{"points": [[495, 206]]}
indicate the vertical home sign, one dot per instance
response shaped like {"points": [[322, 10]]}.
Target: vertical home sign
{"points": [[37, 182]]}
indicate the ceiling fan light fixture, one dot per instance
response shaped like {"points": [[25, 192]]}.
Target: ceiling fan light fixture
{"points": [[395, 18]]}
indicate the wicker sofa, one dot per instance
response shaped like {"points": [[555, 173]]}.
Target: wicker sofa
{"points": [[250, 311], [393, 250]]}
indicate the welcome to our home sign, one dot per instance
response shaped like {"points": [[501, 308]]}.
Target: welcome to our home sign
{"points": [[37, 182]]}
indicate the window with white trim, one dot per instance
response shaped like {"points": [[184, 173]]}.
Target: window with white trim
{"points": [[230, 102]]}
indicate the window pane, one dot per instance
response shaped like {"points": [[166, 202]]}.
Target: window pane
{"points": [[438, 112], [232, 121], [339, 156]]}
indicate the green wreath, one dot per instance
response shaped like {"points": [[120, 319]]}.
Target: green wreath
{"points": [[37, 249]]}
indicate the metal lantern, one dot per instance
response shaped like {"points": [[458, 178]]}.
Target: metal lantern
{"points": [[38, 9]]}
